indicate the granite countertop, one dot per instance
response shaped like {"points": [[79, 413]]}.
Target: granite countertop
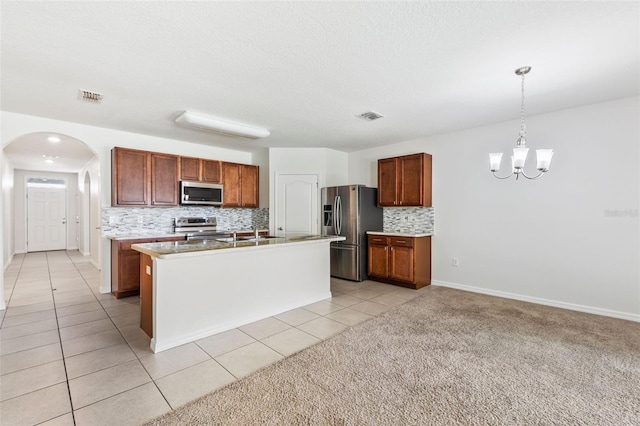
{"points": [[151, 234], [171, 248], [144, 236], [400, 234]]}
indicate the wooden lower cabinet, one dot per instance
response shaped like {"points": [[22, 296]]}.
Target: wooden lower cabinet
{"points": [[125, 265], [404, 261], [146, 294]]}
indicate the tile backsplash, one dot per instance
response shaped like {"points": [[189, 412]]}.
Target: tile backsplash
{"points": [[140, 220], [410, 220]]}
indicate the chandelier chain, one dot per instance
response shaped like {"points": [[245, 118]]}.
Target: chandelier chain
{"points": [[523, 127]]}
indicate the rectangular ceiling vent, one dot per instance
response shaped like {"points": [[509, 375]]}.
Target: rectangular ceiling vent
{"points": [[91, 97], [370, 115]]}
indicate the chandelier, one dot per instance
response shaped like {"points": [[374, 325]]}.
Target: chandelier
{"points": [[520, 151]]}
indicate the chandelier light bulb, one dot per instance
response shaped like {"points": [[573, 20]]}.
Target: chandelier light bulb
{"points": [[519, 157], [544, 159], [494, 160]]}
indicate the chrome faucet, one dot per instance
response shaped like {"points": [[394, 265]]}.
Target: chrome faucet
{"points": [[235, 235], [257, 232]]}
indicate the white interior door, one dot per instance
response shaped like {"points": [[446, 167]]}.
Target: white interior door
{"points": [[296, 204], [46, 219]]}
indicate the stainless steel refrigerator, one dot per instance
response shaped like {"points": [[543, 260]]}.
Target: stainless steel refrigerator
{"points": [[350, 211]]}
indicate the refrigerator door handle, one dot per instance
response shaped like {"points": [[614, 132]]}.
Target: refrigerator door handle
{"points": [[335, 215], [339, 214], [351, 248]]}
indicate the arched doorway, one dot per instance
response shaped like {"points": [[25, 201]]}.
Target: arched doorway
{"points": [[42, 156]]}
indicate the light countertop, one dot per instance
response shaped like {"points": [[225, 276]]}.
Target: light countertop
{"points": [[144, 236], [176, 248], [152, 235], [400, 234]]}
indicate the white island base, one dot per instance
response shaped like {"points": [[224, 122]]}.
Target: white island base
{"points": [[198, 294]]}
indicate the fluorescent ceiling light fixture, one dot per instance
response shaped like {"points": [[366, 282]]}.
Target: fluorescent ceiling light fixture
{"points": [[53, 139], [218, 125]]}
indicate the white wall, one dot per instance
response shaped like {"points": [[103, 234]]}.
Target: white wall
{"points": [[555, 240], [92, 211], [101, 141], [328, 164], [8, 232]]}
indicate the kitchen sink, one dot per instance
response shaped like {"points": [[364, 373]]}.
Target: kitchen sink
{"points": [[247, 238], [225, 239], [261, 237]]}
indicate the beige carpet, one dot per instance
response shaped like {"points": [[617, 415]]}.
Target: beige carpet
{"points": [[448, 357]]}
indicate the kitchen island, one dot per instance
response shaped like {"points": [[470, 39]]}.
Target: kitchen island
{"points": [[191, 290]]}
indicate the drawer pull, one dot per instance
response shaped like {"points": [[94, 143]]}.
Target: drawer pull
{"points": [[401, 241]]}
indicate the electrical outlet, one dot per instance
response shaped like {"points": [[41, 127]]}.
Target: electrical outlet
{"points": [[140, 220], [455, 262]]}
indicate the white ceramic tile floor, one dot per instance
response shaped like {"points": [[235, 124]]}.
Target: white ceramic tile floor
{"points": [[72, 356]]}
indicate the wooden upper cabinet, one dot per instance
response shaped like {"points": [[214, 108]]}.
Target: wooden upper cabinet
{"points": [[231, 184], [164, 179], [387, 182], [200, 170], [189, 169], [240, 183], [129, 177], [405, 181], [142, 178], [210, 171], [249, 184]]}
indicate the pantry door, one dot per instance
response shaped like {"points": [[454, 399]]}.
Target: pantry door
{"points": [[296, 204], [46, 219]]}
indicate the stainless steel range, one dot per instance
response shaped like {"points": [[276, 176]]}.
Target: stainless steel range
{"points": [[198, 228]]}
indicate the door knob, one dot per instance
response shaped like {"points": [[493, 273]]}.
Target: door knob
{"points": [[279, 228]]}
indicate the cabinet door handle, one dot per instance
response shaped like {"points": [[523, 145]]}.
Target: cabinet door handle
{"points": [[401, 242]]}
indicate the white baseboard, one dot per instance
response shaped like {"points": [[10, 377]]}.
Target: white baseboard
{"points": [[9, 261], [540, 301], [93, 262]]}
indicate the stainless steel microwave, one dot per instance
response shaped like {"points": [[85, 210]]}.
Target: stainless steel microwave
{"points": [[208, 194]]}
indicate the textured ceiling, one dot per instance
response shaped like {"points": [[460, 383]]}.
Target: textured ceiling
{"points": [[304, 70]]}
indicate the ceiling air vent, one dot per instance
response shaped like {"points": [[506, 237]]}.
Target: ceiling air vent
{"points": [[91, 97], [370, 115]]}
